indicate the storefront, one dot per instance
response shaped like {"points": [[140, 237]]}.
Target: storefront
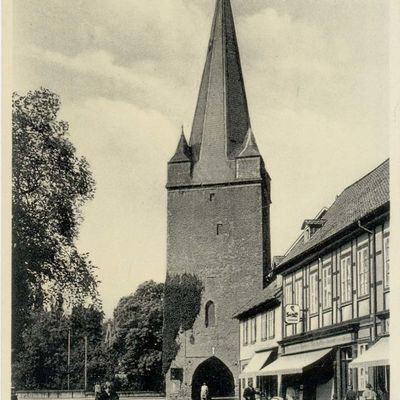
{"points": [[374, 365], [306, 375]]}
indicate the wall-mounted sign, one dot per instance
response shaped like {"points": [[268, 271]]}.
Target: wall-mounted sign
{"points": [[292, 314]]}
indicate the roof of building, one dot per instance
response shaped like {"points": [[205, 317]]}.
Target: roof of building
{"points": [[221, 119], [269, 294], [356, 201], [182, 152]]}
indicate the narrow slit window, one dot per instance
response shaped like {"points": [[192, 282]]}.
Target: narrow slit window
{"points": [[212, 196], [210, 314], [219, 229]]}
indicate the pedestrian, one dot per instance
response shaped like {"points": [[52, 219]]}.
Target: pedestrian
{"points": [[110, 392], [204, 391], [369, 394], [249, 393], [351, 394], [290, 393]]}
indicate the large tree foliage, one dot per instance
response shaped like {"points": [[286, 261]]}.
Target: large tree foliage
{"points": [[182, 303], [138, 320], [50, 183], [44, 362]]}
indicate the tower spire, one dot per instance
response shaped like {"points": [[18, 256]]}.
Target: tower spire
{"points": [[221, 119]]}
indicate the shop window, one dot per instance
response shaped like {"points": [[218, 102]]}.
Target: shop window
{"points": [[327, 287], [314, 292], [345, 279], [363, 271], [210, 314], [386, 260]]}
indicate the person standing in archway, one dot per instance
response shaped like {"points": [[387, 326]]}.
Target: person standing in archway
{"points": [[204, 392]]}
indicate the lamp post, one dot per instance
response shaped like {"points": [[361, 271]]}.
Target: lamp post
{"points": [[69, 357]]}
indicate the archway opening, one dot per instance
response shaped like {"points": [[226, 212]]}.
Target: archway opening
{"points": [[217, 377]]}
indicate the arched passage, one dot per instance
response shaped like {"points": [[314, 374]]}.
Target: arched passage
{"points": [[216, 375]]}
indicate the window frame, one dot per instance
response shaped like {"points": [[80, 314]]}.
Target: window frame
{"points": [[327, 287], [346, 279], [271, 324], [314, 293], [386, 262], [253, 330], [363, 269], [288, 289], [246, 332], [362, 372]]}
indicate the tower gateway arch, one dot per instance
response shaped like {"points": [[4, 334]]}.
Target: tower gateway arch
{"points": [[218, 220]]}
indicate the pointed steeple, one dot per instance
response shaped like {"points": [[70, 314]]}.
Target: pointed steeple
{"points": [[182, 153], [221, 119]]}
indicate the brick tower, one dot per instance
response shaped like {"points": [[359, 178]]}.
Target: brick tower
{"points": [[218, 218]]}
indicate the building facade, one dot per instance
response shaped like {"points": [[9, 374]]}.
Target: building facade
{"points": [[260, 333], [218, 219], [335, 298]]}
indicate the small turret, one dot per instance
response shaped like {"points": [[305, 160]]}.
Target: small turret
{"points": [[179, 166]]}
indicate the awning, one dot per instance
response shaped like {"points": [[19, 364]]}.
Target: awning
{"points": [[255, 364], [293, 363], [377, 355]]}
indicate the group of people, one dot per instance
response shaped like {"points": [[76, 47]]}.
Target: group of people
{"points": [[105, 391], [368, 394]]}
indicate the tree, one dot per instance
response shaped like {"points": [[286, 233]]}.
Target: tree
{"points": [[50, 183], [138, 322], [43, 363]]}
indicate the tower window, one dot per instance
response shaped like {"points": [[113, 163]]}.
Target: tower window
{"points": [[212, 196], [219, 229], [210, 314]]}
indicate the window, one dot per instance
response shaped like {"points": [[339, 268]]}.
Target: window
{"points": [[271, 324], [345, 279], [288, 293], [298, 293], [264, 322], [327, 287], [253, 330], [210, 314], [314, 292], [246, 332], [212, 196], [363, 271], [363, 371], [386, 260], [219, 229]]}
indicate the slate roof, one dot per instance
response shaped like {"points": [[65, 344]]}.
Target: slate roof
{"points": [[357, 201], [221, 111], [182, 152], [270, 293]]}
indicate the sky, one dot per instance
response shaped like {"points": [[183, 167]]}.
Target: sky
{"points": [[128, 72]]}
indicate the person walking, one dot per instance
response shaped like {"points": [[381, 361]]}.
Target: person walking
{"points": [[204, 392], [351, 394], [249, 393], [369, 394]]}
